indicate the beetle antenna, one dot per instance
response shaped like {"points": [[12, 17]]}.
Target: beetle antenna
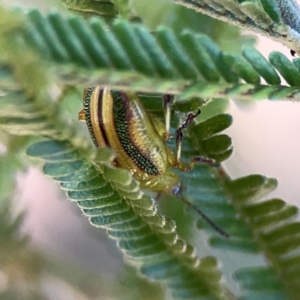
{"points": [[205, 217]]}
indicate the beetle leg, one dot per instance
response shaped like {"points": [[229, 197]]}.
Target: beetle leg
{"points": [[205, 160], [205, 217], [167, 102], [179, 134], [179, 137]]}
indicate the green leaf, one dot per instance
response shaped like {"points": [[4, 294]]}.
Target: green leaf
{"points": [[212, 126], [149, 59], [110, 197], [261, 17], [271, 8], [256, 13], [262, 208], [241, 68], [178, 57], [140, 235], [117, 55], [201, 58], [163, 67], [260, 64], [88, 8], [124, 32], [288, 71], [47, 35], [216, 55], [267, 279]]}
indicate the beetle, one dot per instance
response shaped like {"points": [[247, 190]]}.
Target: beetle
{"points": [[118, 120]]}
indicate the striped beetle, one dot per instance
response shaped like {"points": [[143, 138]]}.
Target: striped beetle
{"points": [[118, 120]]}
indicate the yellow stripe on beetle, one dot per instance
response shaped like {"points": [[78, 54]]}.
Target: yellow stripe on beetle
{"points": [[118, 120]]}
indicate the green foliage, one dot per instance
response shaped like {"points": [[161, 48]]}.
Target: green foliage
{"points": [[112, 201], [146, 62], [127, 55], [91, 8], [276, 19]]}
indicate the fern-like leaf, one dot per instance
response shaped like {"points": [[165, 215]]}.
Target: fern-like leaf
{"points": [[255, 226], [110, 197], [113, 201], [147, 62], [276, 19], [104, 8]]}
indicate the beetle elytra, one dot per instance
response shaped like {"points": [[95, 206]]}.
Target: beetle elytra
{"points": [[118, 120]]}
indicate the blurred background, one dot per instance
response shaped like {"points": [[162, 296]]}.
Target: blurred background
{"points": [[81, 262]]}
